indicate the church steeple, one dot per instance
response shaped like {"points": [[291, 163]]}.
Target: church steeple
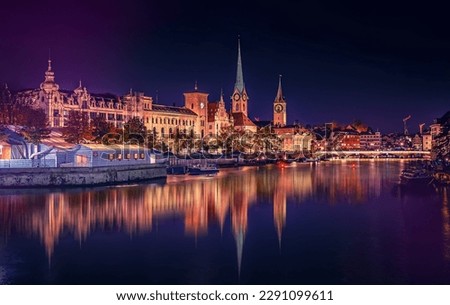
{"points": [[279, 96], [221, 96], [239, 85], [239, 97], [279, 107]]}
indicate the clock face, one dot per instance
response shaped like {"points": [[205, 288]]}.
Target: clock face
{"points": [[236, 96], [278, 108], [202, 105]]}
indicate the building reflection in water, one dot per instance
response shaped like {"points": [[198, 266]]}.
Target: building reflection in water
{"points": [[446, 223], [200, 202]]}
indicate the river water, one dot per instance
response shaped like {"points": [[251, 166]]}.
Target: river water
{"points": [[332, 223]]}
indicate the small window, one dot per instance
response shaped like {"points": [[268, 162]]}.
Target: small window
{"points": [[127, 156], [142, 156], [110, 157], [119, 157], [135, 156]]}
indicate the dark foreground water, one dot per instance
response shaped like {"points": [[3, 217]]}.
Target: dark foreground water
{"points": [[335, 223]]}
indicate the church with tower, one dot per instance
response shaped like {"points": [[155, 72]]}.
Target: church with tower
{"points": [[197, 116]]}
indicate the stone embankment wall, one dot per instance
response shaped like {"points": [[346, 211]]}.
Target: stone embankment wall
{"points": [[79, 176]]}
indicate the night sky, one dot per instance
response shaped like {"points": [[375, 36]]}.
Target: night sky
{"points": [[370, 60]]}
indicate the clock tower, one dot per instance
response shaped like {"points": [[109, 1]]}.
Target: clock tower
{"points": [[279, 107], [239, 98], [197, 102]]}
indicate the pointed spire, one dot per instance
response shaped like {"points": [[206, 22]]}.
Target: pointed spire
{"points": [[195, 86], [239, 75], [49, 77], [279, 96], [49, 68], [221, 95], [80, 84]]}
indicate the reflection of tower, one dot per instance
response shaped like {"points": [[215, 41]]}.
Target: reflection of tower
{"points": [[279, 211], [239, 223]]}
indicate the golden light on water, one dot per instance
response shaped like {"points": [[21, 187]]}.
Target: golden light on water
{"points": [[199, 202]]}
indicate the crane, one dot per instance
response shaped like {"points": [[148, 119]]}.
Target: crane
{"points": [[421, 128], [405, 129]]}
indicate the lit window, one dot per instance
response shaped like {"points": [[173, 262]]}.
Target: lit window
{"points": [[135, 156], [142, 156]]}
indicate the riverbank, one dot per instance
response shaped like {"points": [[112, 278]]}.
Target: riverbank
{"points": [[79, 176]]}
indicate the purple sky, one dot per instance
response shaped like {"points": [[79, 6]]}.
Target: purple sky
{"points": [[339, 61]]}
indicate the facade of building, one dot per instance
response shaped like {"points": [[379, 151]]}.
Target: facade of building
{"points": [[218, 117], [197, 117], [370, 141], [351, 142], [427, 142]]}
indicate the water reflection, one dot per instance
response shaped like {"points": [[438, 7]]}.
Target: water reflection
{"points": [[200, 202], [446, 223]]}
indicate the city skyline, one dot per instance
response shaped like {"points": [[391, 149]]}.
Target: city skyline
{"points": [[328, 73]]}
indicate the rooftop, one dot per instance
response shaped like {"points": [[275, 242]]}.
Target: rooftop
{"points": [[172, 109]]}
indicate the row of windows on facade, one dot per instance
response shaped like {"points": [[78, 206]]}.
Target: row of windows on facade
{"points": [[119, 117], [127, 156], [84, 104], [93, 115], [171, 131]]}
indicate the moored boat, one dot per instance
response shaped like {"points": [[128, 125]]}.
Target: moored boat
{"points": [[207, 170], [416, 176]]}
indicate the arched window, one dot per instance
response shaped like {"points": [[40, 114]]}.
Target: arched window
{"points": [[237, 107], [162, 131], [192, 106]]}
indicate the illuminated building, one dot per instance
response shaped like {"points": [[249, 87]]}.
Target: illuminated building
{"points": [[279, 108], [239, 100], [198, 116]]}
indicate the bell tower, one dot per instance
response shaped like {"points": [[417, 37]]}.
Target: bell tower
{"points": [[239, 98], [279, 107]]}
